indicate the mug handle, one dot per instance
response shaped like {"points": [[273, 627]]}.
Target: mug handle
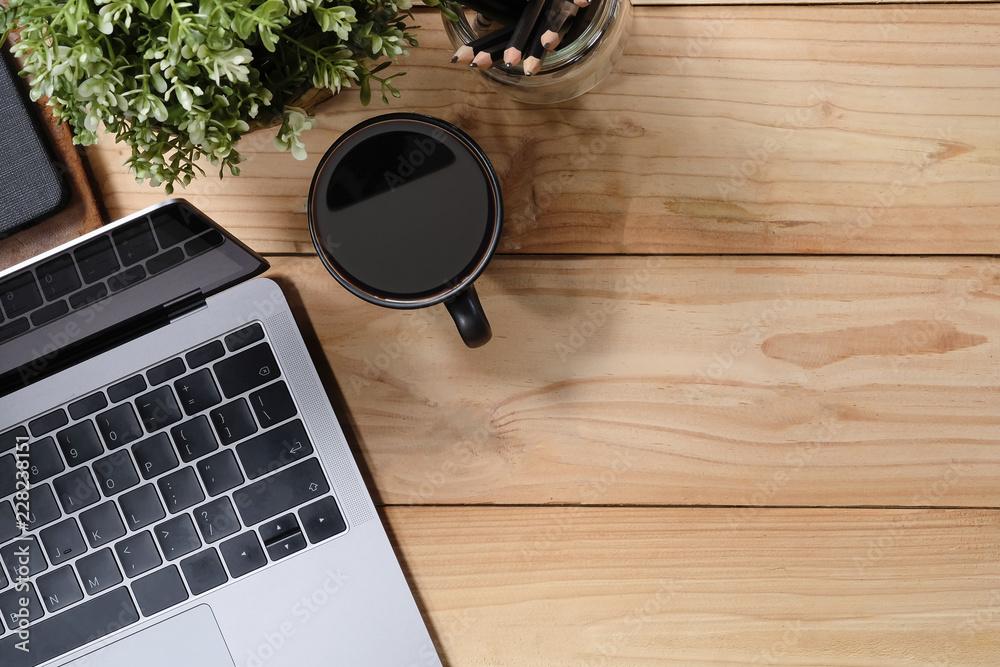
{"points": [[469, 317]]}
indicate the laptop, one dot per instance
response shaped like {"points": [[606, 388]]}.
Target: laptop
{"points": [[175, 488]]}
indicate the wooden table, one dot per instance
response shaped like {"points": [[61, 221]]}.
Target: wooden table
{"points": [[741, 406]]}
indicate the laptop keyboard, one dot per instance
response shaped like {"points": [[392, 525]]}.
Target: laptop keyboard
{"points": [[151, 491]]}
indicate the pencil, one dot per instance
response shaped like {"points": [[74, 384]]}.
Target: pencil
{"points": [[533, 63], [489, 56], [467, 52], [522, 32], [506, 13], [581, 3], [558, 23]]}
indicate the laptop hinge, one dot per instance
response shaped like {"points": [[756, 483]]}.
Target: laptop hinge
{"points": [[185, 305]]}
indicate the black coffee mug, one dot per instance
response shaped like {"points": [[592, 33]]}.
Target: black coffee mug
{"points": [[405, 211]]}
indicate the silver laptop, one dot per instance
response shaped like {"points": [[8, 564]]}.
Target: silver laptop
{"points": [[175, 489]]}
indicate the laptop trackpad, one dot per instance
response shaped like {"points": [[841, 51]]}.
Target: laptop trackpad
{"points": [[191, 638]]}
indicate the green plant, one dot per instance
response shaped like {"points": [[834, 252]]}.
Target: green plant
{"points": [[178, 81]]}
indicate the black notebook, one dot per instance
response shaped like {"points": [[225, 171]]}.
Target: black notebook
{"points": [[31, 184]]}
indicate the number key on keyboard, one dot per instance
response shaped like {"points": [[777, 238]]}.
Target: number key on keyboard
{"points": [[44, 459], [19, 295], [79, 443], [58, 277], [119, 425]]}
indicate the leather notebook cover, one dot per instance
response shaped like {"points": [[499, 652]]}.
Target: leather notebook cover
{"points": [[31, 184]]}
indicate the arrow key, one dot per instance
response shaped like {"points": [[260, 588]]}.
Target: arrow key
{"points": [[322, 519], [243, 554], [286, 546]]}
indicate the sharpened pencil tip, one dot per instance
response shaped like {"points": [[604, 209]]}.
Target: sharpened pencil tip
{"points": [[454, 59]]}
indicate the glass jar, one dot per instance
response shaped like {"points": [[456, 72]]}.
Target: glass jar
{"points": [[573, 68]]}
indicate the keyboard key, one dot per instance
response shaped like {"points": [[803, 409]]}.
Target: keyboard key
{"points": [[58, 277], [248, 335], [127, 388], [217, 520], [160, 590], [87, 296], [141, 507], [278, 529], [71, 629], [197, 392], [280, 492], [8, 475], [180, 490], [96, 259], [155, 456], [158, 409], [119, 425], [137, 554], [115, 473], [10, 608], [286, 546], [51, 312], [48, 423], [134, 242], [272, 404], [19, 295], [247, 370], [13, 329], [206, 353], [220, 472], [102, 525], [194, 439], [76, 490], [9, 439], [87, 406], [203, 571], [8, 523], [98, 571], [163, 262], [79, 443], [322, 519], [16, 553], [62, 541], [3, 585], [243, 554], [43, 505], [126, 278], [168, 370], [177, 537], [204, 242], [233, 421], [274, 449], [59, 588], [44, 459]]}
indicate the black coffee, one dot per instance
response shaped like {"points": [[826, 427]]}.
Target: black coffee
{"points": [[403, 210]]}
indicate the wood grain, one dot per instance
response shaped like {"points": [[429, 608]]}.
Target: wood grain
{"points": [[538, 587], [760, 129], [748, 381]]}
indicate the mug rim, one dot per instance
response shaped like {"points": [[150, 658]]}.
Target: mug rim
{"points": [[480, 260]]}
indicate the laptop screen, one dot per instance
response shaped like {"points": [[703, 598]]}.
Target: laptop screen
{"points": [[111, 286]]}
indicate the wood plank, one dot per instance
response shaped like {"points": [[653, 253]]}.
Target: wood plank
{"points": [[854, 129], [654, 586], [688, 380]]}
